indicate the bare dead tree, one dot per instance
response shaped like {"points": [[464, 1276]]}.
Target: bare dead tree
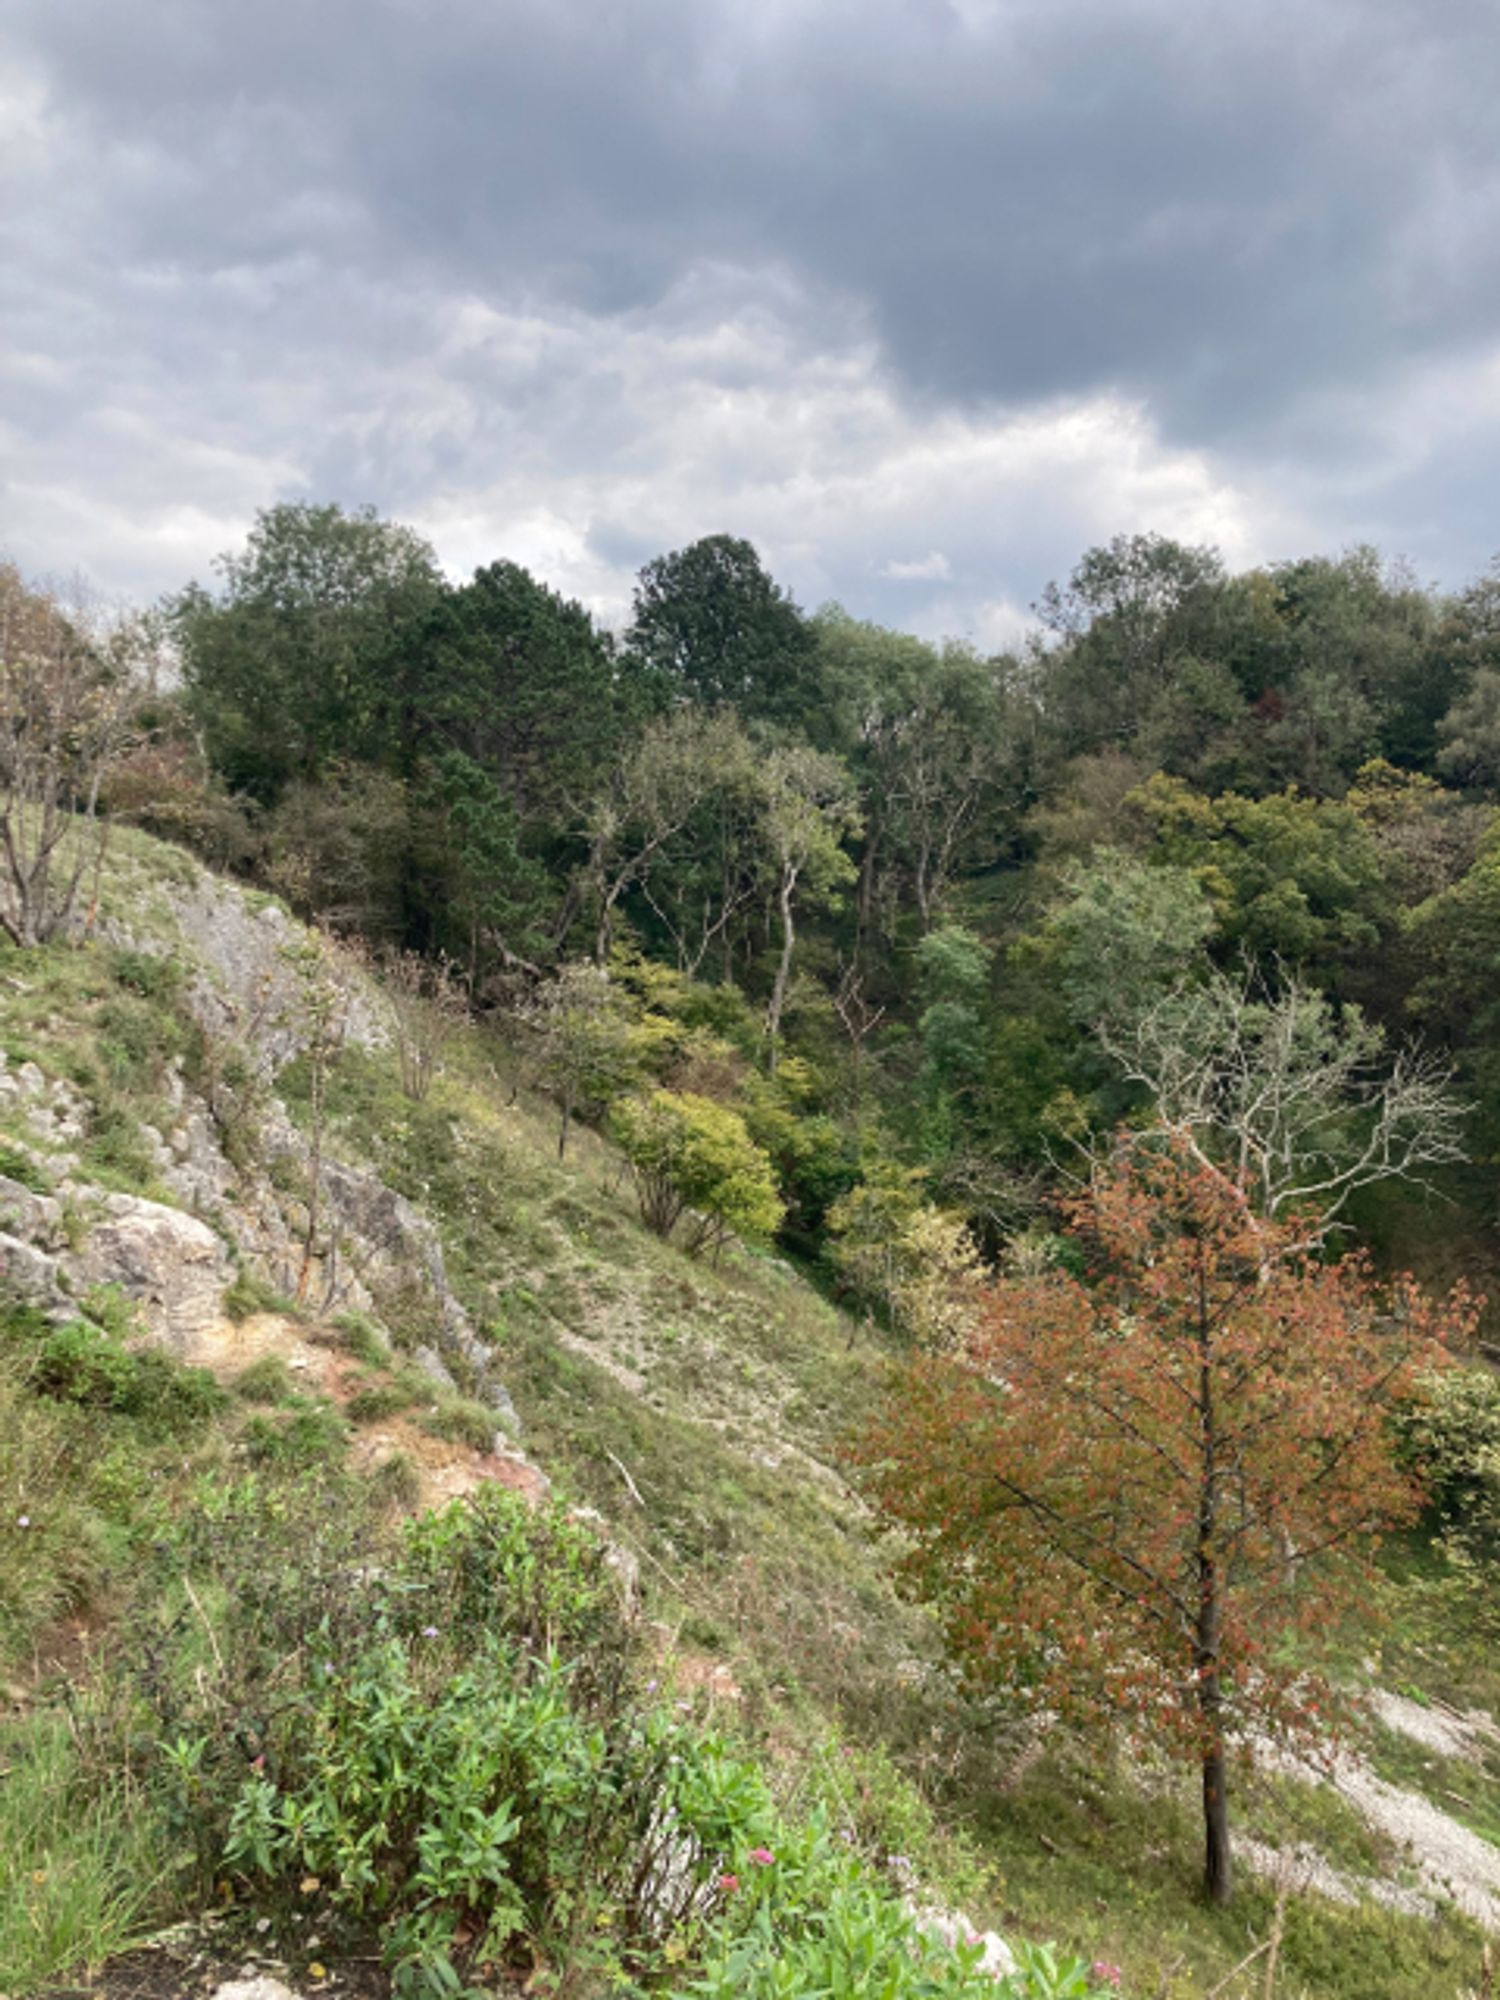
{"points": [[1299, 1099], [64, 695], [425, 1003], [860, 1017], [319, 1013]]}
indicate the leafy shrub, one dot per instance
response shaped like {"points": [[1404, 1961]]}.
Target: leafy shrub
{"points": [[297, 1439], [131, 1043], [453, 1742], [1452, 1438], [807, 1916], [489, 1564], [487, 1802], [247, 1295], [910, 1260], [82, 1363], [692, 1156], [111, 1307], [153, 976], [363, 1339]]}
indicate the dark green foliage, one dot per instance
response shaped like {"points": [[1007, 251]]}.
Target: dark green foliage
{"points": [[84, 1363], [151, 975], [711, 626], [377, 1401], [298, 659], [517, 683], [268, 1380], [802, 821], [456, 1748], [299, 1437]]}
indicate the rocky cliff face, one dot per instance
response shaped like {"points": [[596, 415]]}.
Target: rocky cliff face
{"points": [[232, 1175]]}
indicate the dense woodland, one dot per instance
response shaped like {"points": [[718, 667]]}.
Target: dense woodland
{"points": [[903, 907]]}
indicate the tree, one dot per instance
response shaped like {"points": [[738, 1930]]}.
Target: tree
{"points": [[640, 819], [1121, 933], [516, 679], [1132, 1486], [302, 655], [1454, 939], [895, 1250], [64, 695], [1124, 621], [934, 737], [711, 626], [335, 848], [424, 1006], [1295, 1097], [1469, 734], [477, 889], [809, 813], [1295, 878], [692, 1156], [590, 1044]]}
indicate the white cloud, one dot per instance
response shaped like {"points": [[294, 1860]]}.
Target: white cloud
{"points": [[580, 445], [934, 568]]}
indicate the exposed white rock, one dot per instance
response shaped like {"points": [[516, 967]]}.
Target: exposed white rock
{"points": [[952, 1928], [29, 1272], [173, 1266], [261, 1987], [1444, 1731]]}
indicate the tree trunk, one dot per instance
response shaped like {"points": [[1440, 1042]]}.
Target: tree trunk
{"points": [[784, 966], [1218, 1866], [1218, 1878]]}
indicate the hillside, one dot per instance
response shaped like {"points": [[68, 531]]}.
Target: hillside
{"points": [[476, 1313]]}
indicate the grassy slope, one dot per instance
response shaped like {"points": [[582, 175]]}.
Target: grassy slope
{"points": [[700, 1409]]}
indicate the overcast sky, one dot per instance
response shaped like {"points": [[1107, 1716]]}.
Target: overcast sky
{"points": [[923, 296]]}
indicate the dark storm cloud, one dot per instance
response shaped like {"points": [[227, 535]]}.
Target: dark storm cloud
{"points": [[1216, 211], [1225, 218]]}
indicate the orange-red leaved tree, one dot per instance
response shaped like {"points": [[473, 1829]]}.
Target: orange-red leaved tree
{"points": [[1133, 1486]]}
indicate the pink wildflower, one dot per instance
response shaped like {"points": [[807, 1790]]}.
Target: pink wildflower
{"points": [[729, 1883], [1105, 1973], [762, 1856]]}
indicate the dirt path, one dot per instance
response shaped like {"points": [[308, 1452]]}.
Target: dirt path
{"points": [[320, 1366]]}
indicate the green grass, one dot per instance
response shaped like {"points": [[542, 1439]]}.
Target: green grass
{"points": [[83, 1865], [267, 1380]]}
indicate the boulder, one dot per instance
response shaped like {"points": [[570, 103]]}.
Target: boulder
{"points": [[30, 1273], [24, 1212], [434, 1368], [173, 1266]]}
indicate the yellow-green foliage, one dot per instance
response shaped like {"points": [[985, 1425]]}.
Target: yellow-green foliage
{"points": [[690, 1154], [911, 1259]]}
